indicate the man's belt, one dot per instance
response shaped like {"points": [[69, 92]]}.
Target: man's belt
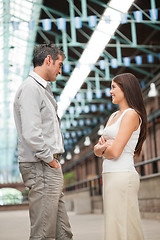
{"points": [[57, 156]]}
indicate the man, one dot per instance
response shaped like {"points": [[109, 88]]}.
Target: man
{"points": [[40, 146]]}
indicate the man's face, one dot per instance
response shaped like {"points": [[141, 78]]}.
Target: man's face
{"points": [[55, 68]]}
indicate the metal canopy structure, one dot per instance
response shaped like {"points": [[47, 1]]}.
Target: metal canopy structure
{"points": [[134, 47], [18, 28]]}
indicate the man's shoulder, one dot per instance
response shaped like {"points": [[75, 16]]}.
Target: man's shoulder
{"points": [[29, 83], [29, 87]]}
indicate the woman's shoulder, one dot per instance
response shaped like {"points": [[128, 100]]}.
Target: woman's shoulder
{"points": [[131, 113], [131, 117]]}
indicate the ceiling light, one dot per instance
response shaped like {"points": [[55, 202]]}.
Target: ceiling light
{"points": [[69, 156], [101, 129], [87, 141], [77, 149], [62, 161], [153, 91]]}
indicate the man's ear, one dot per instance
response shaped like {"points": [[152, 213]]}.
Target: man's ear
{"points": [[48, 59]]}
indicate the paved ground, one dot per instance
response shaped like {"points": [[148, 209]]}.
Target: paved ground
{"points": [[14, 225]]}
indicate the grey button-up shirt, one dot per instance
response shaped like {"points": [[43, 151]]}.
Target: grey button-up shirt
{"points": [[37, 123]]}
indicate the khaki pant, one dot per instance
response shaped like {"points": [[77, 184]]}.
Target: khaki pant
{"points": [[121, 210], [48, 217]]}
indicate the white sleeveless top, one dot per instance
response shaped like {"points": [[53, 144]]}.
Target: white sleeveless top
{"points": [[124, 163]]}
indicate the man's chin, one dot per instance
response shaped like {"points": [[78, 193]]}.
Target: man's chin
{"points": [[53, 80]]}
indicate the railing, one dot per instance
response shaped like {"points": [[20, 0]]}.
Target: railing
{"points": [[147, 162], [95, 184], [153, 161]]}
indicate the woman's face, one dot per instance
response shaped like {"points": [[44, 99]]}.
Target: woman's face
{"points": [[117, 93]]}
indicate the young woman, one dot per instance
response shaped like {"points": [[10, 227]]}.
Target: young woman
{"points": [[122, 139]]}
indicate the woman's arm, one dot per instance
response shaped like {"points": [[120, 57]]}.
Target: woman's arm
{"points": [[99, 149], [129, 123], [101, 146]]}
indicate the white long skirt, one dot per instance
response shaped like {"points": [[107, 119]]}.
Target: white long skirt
{"points": [[121, 210]]}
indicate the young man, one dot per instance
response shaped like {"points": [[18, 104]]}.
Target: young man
{"points": [[40, 146]]}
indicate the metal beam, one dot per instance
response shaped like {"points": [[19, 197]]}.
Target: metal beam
{"points": [[5, 136], [142, 71], [72, 15], [84, 9]]}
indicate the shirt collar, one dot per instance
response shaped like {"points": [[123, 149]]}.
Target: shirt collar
{"points": [[39, 79]]}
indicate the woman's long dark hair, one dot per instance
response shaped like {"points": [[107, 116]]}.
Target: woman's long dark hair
{"points": [[133, 94]]}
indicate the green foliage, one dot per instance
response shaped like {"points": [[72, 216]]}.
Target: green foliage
{"points": [[69, 178]]}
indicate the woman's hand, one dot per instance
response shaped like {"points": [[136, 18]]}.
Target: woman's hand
{"points": [[99, 149], [102, 145], [102, 140]]}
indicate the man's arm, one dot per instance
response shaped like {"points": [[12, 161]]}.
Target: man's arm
{"points": [[30, 104]]}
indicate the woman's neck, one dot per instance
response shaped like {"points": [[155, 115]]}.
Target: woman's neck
{"points": [[123, 106]]}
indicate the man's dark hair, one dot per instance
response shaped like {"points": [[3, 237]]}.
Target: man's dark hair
{"points": [[41, 51]]}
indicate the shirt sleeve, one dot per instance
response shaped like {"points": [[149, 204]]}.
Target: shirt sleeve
{"points": [[30, 105]]}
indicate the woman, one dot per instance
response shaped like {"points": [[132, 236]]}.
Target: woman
{"points": [[122, 139]]}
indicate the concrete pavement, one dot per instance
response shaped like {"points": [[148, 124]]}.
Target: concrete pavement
{"points": [[14, 225]]}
